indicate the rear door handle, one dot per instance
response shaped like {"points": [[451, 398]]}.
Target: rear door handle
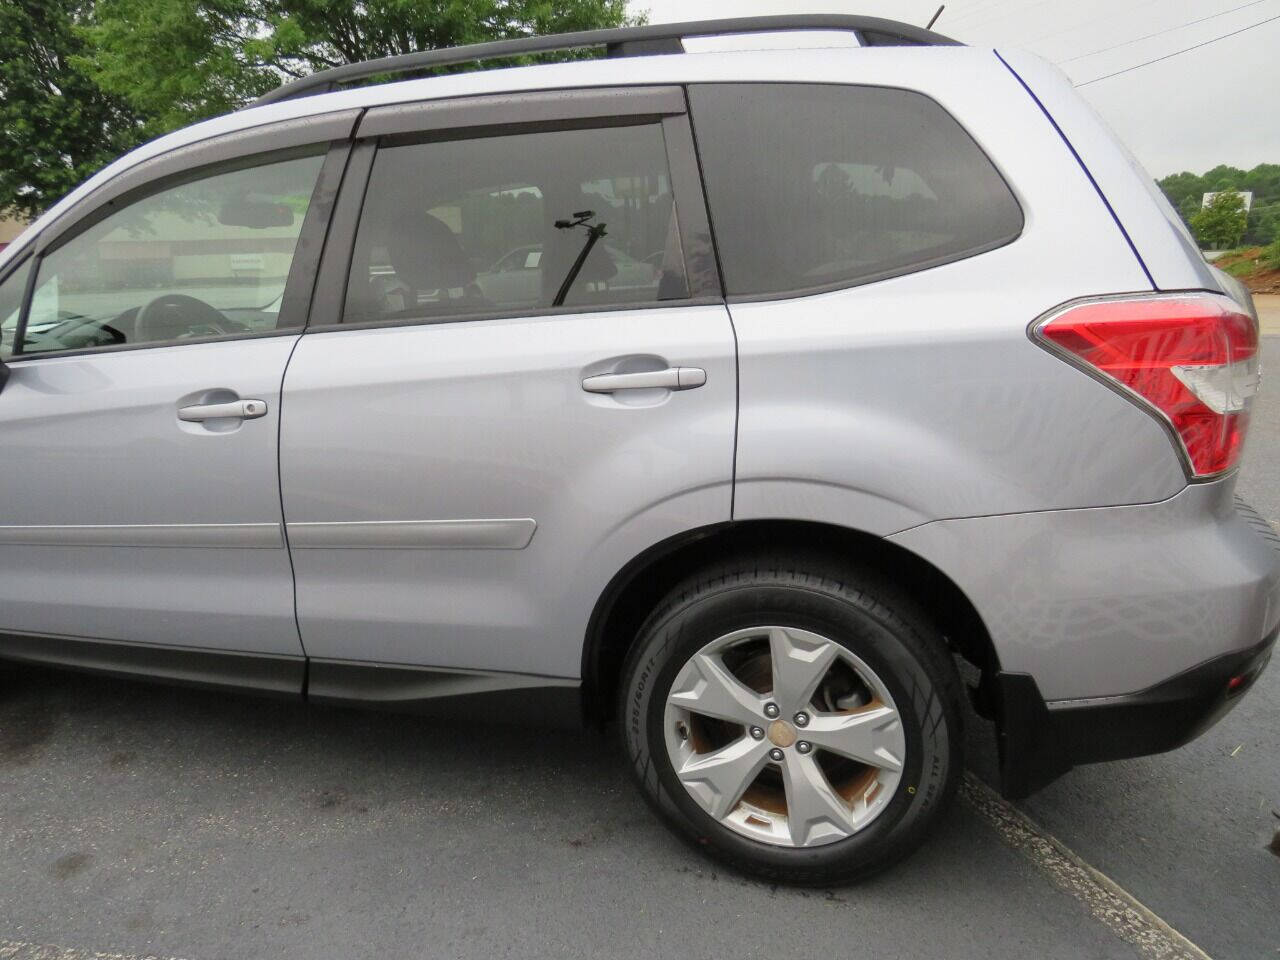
{"points": [[672, 378], [237, 409]]}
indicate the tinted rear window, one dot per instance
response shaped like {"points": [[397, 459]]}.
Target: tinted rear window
{"points": [[814, 186]]}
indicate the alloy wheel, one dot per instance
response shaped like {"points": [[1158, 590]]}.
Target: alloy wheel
{"points": [[784, 736]]}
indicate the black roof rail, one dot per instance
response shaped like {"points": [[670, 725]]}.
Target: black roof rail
{"points": [[619, 42]]}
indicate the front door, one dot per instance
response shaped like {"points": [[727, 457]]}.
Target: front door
{"points": [[529, 379], [139, 428]]}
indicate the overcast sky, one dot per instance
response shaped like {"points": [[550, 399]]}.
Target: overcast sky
{"points": [[1217, 104]]}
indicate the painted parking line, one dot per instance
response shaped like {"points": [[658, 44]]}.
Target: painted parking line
{"points": [[1112, 905], [13, 950]]}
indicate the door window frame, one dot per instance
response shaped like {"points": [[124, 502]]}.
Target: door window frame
{"points": [[20, 262], [327, 135], [511, 114]]}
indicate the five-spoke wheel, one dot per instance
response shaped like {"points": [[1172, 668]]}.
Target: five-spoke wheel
{"points": [[784, 735], [796, 718]]}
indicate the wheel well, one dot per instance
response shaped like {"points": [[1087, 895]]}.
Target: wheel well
{"points": [[641, 585]]}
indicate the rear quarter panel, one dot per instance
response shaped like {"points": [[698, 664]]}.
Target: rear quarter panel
{"points": [[1157, 232], [919, 398]]}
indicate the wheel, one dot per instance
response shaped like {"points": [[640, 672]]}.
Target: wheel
{"points": [[797, 719]]}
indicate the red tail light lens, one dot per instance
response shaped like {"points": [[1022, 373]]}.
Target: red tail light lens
{"points": [[1190, 358]]}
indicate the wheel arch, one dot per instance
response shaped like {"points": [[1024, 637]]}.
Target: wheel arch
{"points": [[635, 589]]}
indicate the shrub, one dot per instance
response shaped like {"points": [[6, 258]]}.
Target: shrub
{"points": [[1271, 254]]}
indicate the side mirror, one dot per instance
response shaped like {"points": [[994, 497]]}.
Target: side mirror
{"points": [[4, 375], [255, 214]]}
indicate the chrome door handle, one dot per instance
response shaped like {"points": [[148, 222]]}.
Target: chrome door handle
{"points": [[672, 378], [238, 409]]}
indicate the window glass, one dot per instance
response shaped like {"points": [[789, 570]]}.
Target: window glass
{"points": [[11, 292], [207, 258], [817, 186], [498, 224]]}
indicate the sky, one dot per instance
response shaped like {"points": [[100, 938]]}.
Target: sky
{"points": [[1216, 104]]}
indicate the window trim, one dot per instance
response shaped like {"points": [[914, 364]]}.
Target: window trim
{"points": [[503, 111], [796, 293], [280, 137], [582, 108], [296, 295], [20, 329], [450, 319], [11, 268]]}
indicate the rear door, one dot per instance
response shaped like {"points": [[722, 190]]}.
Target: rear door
{"points": [[528, 379]]}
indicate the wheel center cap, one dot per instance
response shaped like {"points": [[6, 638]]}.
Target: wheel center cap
{"points": [[781, 733]]}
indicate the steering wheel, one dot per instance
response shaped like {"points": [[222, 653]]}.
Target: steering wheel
{"points": [[172, 316]]}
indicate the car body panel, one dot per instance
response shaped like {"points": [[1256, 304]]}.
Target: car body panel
{"points": [[122, 522], [486, 420], [1104, 602], [921, 397], [1159, 236]]}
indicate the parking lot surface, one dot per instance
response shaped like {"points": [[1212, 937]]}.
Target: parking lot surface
{"points": [[139, 820]]}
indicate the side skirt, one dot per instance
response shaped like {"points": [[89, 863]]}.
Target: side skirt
{"points": [[485, 696], [488, 697], [185, 666]]}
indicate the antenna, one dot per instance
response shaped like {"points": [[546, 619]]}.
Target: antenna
{"points": [[934, 18]]}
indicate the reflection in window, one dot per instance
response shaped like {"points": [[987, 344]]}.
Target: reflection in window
{"points": [[11, 292], [206, 258], [818, 186], [497, 225]]}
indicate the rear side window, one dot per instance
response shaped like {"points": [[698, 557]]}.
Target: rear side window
{"points": [[816, 186], [522, 222]]}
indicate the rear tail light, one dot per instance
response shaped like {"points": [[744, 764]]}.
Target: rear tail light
{"points": [[1190, 359]]}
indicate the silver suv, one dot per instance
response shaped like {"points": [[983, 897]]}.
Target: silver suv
{"points": [[726, 395]]}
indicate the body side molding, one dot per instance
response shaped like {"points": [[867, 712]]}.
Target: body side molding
{"points": [[238, 535], [512, 534]]}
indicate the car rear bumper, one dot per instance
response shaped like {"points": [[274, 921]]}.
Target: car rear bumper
{"points": [[1039, 741], [1115, 630], [1106, 601]]}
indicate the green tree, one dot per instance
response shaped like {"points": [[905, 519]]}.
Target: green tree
{"points": [[56, 126], [1220, 225], [1186, 190], [1264, 223], [176, 61]]}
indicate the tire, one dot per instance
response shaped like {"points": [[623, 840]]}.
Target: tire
{"points": [[879, 636]]}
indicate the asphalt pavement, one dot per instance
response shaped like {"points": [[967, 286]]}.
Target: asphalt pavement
{"points": [[146, 821]]}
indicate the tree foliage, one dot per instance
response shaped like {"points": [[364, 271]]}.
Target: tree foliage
{"points": [[82, 81], [56, 125], [1186, 190], [1220, 224], [182, 60]]}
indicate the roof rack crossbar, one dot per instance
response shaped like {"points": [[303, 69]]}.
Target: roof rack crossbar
{"points": [[619, 42]]}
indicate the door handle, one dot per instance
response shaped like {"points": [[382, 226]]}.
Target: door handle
{"points": [[672, 378], [238, 409]]}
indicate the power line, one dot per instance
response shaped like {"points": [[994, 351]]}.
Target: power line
{"points": [[1190, 23], [1197, 46], [1077, 26], [991, 16], [981, 7]]}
